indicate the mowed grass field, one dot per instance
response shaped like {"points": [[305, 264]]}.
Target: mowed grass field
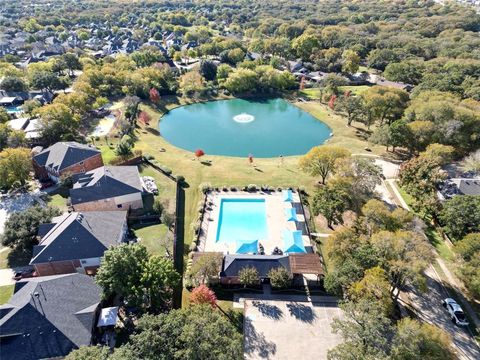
{"points": [[233, 171]]}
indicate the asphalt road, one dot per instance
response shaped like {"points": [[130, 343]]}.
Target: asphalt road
{"points": [[428, 307]]}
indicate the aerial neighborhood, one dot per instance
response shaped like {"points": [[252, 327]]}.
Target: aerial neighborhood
{"points": [[217, 180]]}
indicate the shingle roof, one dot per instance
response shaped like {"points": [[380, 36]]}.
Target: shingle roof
{"points": [[64, 154], [232, 264], [41, 321], [104, 183], [80, 236]]}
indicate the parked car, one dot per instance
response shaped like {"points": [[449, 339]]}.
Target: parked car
{"points": [[456, 313], [24, 274]]}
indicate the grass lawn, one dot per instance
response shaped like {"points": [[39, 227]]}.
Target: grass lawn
{"points": [[151, 235], [237, 171], [6, 293], [314, 93], [4, 259], [108, 151]]}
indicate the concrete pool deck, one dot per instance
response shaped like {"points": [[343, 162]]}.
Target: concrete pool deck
{"points": [[275, 216], [289, 329]]}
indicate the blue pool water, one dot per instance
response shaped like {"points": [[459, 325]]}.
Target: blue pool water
{"points": [[14, 109], [242, 219]]}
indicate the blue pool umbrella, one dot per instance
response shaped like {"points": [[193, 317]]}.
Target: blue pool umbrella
{"points": [[247, 246], [287, 195], [293, 242], [291, 214]]}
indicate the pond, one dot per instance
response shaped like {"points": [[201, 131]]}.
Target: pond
{"points": [[263, 128]]}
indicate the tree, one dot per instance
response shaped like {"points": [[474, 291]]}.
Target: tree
{"points": [[461, 215], [304, 45], [199, 153], [351, 61], [248, 276], [176, 336], [147, 57], [77, 102], [203, 295], [89, 353], [471, 162], [331, 202], [21, 228], [365, 331], [124, 149], [279, 278], [422, 133], [31, 106], [408, 72], [142, 281], [223, 70], [3, 115], [351, 107], [144, 118], [205, 269], [469, 246], [320, 161], [414, 340], [13, 83], [15, 167], [403, 255], [192, 84], [373, 287], [208, 70], [235, 56], [45, 80], [385, 103], [57, 123], [72, 62], [154, 95], [241, 81]]}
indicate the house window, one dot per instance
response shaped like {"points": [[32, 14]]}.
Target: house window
{"points": [[119, 206]]}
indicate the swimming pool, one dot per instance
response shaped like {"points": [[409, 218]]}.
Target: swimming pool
{"points": [[242, 220], [14, 109]]}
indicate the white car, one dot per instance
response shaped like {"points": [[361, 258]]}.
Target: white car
{"points": [[456, 313]]}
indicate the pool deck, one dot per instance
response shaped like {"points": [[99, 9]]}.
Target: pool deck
{"points": [[276, 221]]}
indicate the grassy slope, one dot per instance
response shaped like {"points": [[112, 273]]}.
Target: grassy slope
{"points": [[6, 293]]}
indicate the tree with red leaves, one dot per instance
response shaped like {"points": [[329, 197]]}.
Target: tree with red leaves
{"points": [[199, 153], [331, 102], [154, 95], [144, 118], [250, 158], [203, 295]]}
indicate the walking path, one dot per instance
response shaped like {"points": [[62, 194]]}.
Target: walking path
{"points": [[399, 196]]}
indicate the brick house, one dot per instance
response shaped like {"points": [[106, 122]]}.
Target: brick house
{"points": [[66, 158], [107, 188], [75, 242]]}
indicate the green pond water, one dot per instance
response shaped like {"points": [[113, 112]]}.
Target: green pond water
{"points": [[262, 128]]}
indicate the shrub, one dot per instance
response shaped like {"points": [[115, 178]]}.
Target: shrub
{"points": [[180, 178], [167, 219], [158, 206], [203, 295], [252, 187], [248, 276], [279, 278], [205, 187]]}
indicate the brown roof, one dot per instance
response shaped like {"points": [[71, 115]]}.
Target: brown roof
{"points": [[305, 264]]}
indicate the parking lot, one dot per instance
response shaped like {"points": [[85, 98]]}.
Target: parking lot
{"points": [[280, 330]]}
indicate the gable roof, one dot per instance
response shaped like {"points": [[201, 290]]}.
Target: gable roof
{"points": [[64, 154], [105, 182], [232, 264], [40, 319], [79, 236]]}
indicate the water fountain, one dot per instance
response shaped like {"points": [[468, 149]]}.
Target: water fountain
{"points": [[243, 118]]}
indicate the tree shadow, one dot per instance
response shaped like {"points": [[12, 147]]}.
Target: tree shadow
{"points": [[267, 310], [256, 342], [19, 257], [301, 312], [206, 163], [259, 170], [153, 131]]}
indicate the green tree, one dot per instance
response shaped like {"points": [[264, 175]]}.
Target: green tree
{"points": [[176, 336], [72, 62], [248, 276], [44, 80], [461, 215], [31, 106], [192, 84], [205, 269], [304, 45], [331, 202], [13, 83], [15, 167], [351, 61], [407, 71], [414, 340], [3, 115], [351, 107], [472, 162], [57, 123], [365, 331], [89, 353], [279, 278], [385, 103], [320, 161], [469, 246], [142, 281], [208, 70], [241, 81], [21, 227], [422, 135]]}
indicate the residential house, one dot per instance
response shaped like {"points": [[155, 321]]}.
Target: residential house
{"points": [[66, 158], [75, 242], [47, 317], [108, 188]]}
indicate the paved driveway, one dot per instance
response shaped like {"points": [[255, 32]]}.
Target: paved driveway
{"points": [[290, 330], [429, 308]]}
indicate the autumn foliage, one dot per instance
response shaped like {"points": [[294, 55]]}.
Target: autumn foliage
{"points": [[154, 95], [144, 118], [331, 102], [199, 153], [203, 295]]}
